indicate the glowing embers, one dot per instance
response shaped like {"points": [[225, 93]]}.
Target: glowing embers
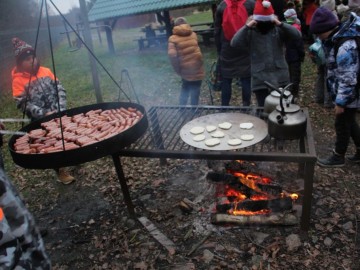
{"points": [[242, 192]]}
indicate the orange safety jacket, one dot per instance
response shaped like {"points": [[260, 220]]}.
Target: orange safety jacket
{"points": [[21, 79]]}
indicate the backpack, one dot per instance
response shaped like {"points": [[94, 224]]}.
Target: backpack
{"points": [[234, 17]]}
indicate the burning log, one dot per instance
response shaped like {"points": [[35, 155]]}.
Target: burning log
{"points": [[272, 189], [275, 205], [284, 218], [247, 186]]}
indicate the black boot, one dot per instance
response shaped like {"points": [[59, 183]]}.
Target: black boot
{"points": [[333, 161]]}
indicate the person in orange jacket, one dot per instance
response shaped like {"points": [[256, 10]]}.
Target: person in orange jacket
{"points": [[36, 90], [187, 60]]}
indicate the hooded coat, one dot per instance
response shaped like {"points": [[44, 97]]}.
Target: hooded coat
{"points": [[234, 62], [267, 53], [343, 70], [184, 53]]}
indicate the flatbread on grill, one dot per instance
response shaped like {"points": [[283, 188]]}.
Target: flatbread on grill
{"points": [[246, 125], [210, 128], [218, 134], [212, 142], [247, 137], [234, 142], [225, 125], [199, 138], [197, 130]]}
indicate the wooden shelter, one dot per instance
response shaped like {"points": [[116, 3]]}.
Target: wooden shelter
{"points": [[108, 11]]}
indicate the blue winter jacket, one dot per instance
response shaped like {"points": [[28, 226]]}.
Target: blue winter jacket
{"points": [[342, 71]]}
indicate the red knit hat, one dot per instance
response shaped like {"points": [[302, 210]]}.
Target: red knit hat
{"points": [[263, 11], [21, 49]]}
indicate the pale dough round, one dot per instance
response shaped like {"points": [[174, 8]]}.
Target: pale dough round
{"points": [[212, 142], [234, 142], [210, 128], [218, 134], [247, 137], [199, 138], [246, 125], [225, 125], [197, 130]]}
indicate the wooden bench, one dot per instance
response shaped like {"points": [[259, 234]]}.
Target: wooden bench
{"points": [[147, 42]]}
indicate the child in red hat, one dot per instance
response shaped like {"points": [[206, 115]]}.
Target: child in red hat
{"points": [[265, 37]]}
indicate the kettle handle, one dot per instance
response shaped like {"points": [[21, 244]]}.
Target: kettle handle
{"points": [[273, 87], [282, 94]]}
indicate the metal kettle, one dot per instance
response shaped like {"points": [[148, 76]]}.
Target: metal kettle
{"points": [[273, 99], [287, 122]]}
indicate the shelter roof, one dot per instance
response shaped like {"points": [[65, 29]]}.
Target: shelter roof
{"points": [[108, 9]]}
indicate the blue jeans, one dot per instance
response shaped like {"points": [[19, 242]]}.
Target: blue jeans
{"points": [[226, 91], [192, 89]]}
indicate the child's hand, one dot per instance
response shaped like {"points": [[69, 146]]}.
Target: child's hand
{"points": [[276, 21], [251, 22]]}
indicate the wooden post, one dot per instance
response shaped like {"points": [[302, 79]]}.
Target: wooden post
{"points": [[108, 31], [88, 41], [167, 21]]}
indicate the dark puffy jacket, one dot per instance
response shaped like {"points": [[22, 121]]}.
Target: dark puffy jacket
{"points": [[295, 51], [268, 61], [235, 62]]}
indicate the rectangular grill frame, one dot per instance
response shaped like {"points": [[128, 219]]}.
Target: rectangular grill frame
{"points": [[162, 140]]}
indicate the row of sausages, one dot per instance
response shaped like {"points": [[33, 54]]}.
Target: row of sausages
{"points": [[77, 131]]}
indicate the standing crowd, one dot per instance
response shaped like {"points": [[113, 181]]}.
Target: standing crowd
{"points": [[260, 41]]}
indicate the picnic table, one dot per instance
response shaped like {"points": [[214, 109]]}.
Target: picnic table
{"points": [[205, 30], [151, 38]]}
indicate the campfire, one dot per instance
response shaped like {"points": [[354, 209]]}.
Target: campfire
{"points": [[246, 197]]}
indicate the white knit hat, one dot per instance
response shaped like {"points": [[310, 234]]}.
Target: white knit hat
{"points": [[329, 4]]}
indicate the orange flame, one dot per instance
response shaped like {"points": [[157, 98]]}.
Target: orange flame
{"points": [[251, 180], [259, 197], [248, 213], [233, 193]]}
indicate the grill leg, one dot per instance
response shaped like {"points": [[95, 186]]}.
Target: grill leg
{"points": [[124, 187], [301, 170], [308, 189], [157, 135]]}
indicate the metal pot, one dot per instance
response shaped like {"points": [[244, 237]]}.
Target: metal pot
{"points": [[287, 122]]}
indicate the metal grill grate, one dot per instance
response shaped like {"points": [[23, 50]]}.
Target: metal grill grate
{"points": [[162, 138]]}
